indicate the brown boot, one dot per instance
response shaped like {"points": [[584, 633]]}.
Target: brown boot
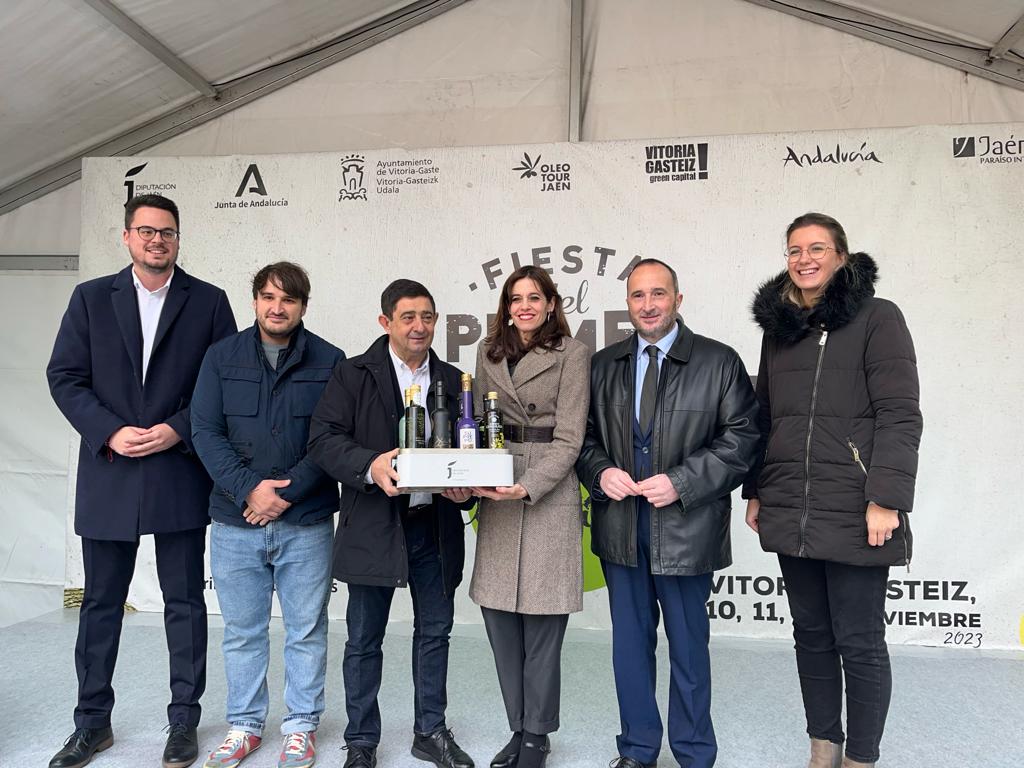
{"points": [[825, 754], [848, 763]]}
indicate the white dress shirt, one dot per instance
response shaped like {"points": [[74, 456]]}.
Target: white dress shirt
{"points": [[406, 378], [151, 304]]}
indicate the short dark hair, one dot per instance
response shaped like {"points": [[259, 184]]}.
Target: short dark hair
{"points": [[289, 277], [150, 201], [503, 341], [403, 289], [658, 263], [826, 222]]}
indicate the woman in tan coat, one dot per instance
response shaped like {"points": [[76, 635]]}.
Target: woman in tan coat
{"points": [[528, 574]]}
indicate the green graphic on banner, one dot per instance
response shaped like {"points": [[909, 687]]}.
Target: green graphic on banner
{"points": [[593, 576]]}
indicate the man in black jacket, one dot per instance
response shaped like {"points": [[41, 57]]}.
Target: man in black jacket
{"points": [[671, 432], [386, 539]]}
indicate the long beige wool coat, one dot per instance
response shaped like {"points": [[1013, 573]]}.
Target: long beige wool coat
{"points": [[529, 552]]}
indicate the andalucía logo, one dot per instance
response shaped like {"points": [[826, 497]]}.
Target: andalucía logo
{"points": [[992, 151], [143, 189], [353, 173], [251, 184], [554, 177], [838, 156], [676, 162]]}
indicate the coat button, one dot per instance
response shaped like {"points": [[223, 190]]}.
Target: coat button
{"points": [[646, 449], [531, 407], [275, 431]]}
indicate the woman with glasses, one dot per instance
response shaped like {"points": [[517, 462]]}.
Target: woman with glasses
{"points": [[840, 428], [528, 574]]}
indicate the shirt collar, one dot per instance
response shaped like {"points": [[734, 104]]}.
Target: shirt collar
{"points": [[400, 364], [664, 344], [140, 287]]}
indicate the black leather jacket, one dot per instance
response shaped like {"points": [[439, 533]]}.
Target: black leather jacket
{"points": [[705, 437]]}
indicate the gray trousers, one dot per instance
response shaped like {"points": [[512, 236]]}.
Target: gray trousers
{"points": [[528, 656]]}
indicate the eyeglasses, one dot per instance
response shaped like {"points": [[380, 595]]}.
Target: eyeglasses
{"points": [[148, 233], [815, 251]]}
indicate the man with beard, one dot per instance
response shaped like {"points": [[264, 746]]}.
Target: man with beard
{"points": [[122, 371], [671, 432], [272, 511], [386, 539]]}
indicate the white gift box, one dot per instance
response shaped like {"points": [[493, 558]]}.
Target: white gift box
{"points": [[430, 470]]}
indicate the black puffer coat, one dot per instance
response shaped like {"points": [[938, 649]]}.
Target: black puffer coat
{"points": [[839, 418]]}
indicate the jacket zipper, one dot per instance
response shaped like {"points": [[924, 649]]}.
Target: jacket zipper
{"points": [[802, 552], [856, 455], [906, 543]]}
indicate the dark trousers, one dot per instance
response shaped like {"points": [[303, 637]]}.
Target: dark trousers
{"points": [[367, 618], [839, 616], [109, 566], [637, 599], [528, 656]]}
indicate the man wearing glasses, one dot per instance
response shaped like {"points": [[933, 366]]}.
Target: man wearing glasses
{"points": [[122, 372]]}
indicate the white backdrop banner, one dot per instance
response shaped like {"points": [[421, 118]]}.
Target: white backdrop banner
{"points": [[938, 207]]}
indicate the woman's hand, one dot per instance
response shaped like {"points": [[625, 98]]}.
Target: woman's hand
{"points": [[881, 523], [753, 510], [501, 492]]}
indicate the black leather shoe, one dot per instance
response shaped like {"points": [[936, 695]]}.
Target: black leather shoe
{"points": [[360, 757], [182, 747], [628, 762], [440, 749], [509, 754], [534, 751], [81, 746]]}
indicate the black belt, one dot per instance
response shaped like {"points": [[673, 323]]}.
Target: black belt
{"points": [[518, 434]]}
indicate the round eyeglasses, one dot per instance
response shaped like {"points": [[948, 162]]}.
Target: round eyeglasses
{"points": [[815, 251]]}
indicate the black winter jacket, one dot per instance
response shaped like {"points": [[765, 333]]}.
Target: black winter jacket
{"points": [[839, 417], [705, 441], [355, 421]]}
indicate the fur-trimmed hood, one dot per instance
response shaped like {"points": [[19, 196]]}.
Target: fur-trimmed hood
{"points": [[781, 319]]}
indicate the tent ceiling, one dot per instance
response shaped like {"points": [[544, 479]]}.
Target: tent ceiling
{"points": [[73, 81]]}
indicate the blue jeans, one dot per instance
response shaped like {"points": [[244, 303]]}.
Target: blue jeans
{"points": [[248, 565], [367, 619]]}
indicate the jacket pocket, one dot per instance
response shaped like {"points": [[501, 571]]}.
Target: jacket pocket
{"points": [[240, 390], [307, 386], [855, 452]]}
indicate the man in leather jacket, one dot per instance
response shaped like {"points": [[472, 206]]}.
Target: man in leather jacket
{"points": [[670, 433]]}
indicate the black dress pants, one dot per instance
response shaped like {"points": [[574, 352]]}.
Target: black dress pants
{"points": [[528, 655], [839, 627], [109, 566]]}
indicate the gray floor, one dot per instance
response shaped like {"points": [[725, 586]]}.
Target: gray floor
{"points": [[948, 709]]}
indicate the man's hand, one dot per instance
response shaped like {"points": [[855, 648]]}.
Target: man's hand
{"points": [[383, 474], [502, 492], [136, 442], [881, 523], [753, 511], [254, 518], [458, 495], [658, 490], [617, 484], [264, 501]]}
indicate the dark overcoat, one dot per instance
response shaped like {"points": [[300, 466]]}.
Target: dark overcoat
{"points": [[95, 377], [355, 421], [839, 419]]}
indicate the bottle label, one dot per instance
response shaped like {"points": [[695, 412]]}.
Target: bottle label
{"points": [[467, 437]]}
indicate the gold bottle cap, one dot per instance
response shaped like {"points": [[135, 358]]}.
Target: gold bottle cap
{"points": [[492, 395], [467, 382]]}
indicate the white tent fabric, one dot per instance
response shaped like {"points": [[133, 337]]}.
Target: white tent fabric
{"points": [[487, 72]]}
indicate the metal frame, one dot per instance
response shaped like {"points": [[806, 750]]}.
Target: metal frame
{"points": [[908, 39], [130, 27], [575, 70], [231, 97], [1013, 36]]}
